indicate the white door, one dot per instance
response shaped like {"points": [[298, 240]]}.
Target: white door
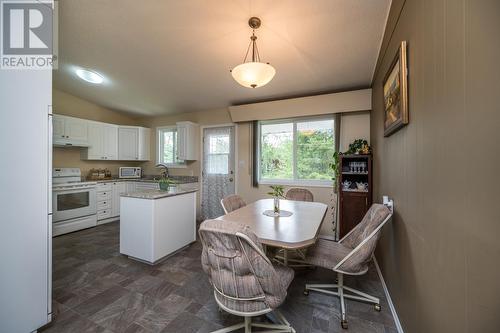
{"points": [[58, 127], [110, 142], [118, 189], [144, 143], [218, 169], [76, 129], [96, 138], [128, 141]]}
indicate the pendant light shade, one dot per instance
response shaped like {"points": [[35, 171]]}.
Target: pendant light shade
{"points": [[254, 73]]}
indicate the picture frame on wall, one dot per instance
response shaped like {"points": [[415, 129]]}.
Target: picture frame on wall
{"points": [[395, 89]]}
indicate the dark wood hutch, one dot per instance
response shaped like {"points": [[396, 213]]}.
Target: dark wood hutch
{"points": [[354, 202]]}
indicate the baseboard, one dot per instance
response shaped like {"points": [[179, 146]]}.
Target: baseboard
{"points": [[389, 300]]}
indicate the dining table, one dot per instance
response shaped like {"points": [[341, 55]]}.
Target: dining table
{"points": [[297, 228]]}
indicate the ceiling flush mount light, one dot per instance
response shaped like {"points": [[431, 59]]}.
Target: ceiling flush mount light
{"points": [[254, 73], [89, 76]]}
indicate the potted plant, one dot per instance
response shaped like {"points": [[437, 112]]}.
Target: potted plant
{"points": [[359, 146], [165, 183], [277, 192]]}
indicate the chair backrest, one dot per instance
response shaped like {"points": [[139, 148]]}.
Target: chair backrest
{"points": [[363, 239], [243, 277], [299, 194], [232, 202]]}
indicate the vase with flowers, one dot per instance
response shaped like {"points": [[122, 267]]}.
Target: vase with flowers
{"points": [[278, 192]]}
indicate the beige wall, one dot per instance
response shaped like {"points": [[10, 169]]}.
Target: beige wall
{"points": [[440, 253], [66, 104], [354, 126], [342, 102]]}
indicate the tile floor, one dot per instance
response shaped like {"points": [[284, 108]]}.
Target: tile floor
{"points": [[95, 289]]}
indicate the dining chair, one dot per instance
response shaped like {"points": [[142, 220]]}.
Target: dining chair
{"points": [[299, 194], [232, 202], [351, 256], [283, 255], [244, 280]]}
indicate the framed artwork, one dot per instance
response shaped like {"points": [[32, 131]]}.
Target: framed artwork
{"points": [[396, 93]]}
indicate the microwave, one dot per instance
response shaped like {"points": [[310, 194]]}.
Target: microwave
{"points": [[130, 172]]}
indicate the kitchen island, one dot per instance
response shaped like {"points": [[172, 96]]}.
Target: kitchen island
{"points": [[155, 223]]}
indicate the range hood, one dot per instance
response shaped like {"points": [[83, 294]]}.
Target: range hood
{"points": [[70, 143]]}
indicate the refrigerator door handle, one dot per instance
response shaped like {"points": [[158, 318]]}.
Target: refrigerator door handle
{"points": [[49, 217], [49, 161]]}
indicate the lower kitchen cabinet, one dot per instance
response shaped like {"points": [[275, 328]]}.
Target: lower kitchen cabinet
{"points": [[118, 189], [108, 196]]}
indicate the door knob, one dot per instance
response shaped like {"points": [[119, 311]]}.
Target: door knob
{"points": [[230, 179]]}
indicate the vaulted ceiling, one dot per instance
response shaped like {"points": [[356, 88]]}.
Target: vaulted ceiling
{"points": [[163, 57]]}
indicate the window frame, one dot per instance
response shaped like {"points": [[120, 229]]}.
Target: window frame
{"points": [[295, 181], [159, 146]]}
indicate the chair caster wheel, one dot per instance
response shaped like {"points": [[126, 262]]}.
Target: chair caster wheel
{"points": [[343, 323], [377, 307], [306, 292]]}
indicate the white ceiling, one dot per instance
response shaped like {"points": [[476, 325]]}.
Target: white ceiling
{"points": [[163, 57]]}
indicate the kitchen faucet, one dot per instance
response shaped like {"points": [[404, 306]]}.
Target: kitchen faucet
{"points": [[165, 173]]}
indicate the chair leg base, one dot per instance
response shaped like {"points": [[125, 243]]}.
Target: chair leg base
{"points": [[283, 256], [283, 326], [340, 292]]}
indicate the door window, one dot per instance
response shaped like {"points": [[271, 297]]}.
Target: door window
{"points": [[218, 154]]}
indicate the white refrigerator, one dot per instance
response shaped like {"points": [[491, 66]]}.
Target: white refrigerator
{"points": [[25, 199]]}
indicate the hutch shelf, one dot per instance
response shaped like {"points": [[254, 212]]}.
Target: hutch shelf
{"points": [[354, 200]]}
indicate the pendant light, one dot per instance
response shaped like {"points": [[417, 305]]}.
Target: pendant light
{"points": [[253, 74]]}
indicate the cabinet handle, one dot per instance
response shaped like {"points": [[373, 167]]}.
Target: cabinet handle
{"points": [[62, 136], [366, 201]]}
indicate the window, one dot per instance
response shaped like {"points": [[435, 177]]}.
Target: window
{"points": [[218, 154], [167, 147], [296, 151]]}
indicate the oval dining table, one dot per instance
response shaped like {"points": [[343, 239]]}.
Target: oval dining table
{"points": [[294, 232]]}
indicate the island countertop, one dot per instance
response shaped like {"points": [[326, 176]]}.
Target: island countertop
{"points": [[157, 194]]}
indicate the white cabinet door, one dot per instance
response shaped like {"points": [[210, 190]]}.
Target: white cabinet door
{"points": [[96, 141], [110, 142], [187, 141], [58, 127], [118, 189], [103, 142], [130, 186], [76, 129], [144, 143], [181, 141], [128, 143]]}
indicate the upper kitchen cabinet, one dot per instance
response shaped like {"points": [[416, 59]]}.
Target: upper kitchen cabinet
{"points": [[103, 142], [69, 131], [187, 141], [133, 143]]}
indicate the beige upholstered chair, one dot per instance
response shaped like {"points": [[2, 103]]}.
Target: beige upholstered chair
{"points": [[283, 255], [245, 282], [232, 202], [351, 256], [299, 194]]}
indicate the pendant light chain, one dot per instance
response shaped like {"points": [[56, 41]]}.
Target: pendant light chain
{"points": [[255, 49]]}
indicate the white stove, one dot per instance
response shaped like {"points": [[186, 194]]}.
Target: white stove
{"points": [[73, 201]]}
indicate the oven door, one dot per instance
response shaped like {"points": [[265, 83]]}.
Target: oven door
{"points": [[73, 202]]}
